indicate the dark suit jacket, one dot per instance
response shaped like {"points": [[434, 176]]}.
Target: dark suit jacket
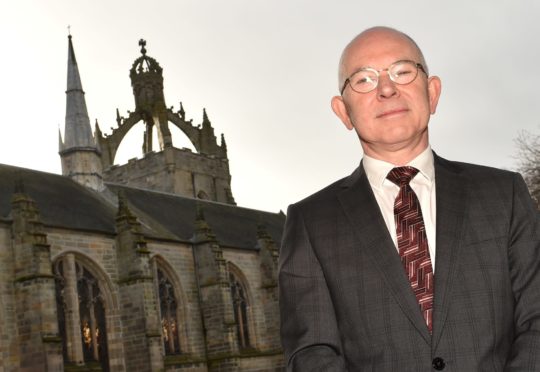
{"points": [[347, 305]]}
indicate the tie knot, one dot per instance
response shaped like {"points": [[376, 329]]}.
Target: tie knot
{"points": [[402, 175]]}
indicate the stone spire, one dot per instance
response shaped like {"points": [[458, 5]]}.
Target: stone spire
{"points": [[78, 132], [80, 155]]}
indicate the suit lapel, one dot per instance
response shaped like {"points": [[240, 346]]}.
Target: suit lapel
{"points": [[451, 205], [363, 212]]}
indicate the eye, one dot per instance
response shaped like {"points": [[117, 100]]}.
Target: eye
{"points": [[403, 72], [363, 79]]}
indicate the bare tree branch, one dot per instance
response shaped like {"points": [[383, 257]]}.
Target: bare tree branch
{"points": [[528, 156]]}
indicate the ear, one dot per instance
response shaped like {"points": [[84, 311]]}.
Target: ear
{"points": [[339, 108], [434, 91]]}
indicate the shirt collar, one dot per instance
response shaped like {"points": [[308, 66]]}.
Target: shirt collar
{"points": [[377, 170]]}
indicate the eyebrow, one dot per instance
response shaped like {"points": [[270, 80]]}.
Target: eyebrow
{"points": [[373, 68]]}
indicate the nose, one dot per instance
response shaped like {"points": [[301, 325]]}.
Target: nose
{"points": [[386, 87]]}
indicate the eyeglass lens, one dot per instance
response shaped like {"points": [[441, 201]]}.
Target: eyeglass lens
{"points": [[365, 80]]}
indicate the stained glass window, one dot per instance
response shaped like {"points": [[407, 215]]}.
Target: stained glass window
{"points": [[240, 308], [91, 317], [169, 320]]}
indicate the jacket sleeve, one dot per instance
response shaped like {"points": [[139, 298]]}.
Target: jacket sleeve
{"points": [[524, 266], [309, 332]]}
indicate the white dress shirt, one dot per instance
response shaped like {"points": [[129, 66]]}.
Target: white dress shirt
{"points": [[423, 184]]}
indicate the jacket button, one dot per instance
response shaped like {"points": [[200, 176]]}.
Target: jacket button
{"points": [[438, 364]]}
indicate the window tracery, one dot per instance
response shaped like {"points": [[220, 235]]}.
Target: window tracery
{"points": [[240, 309], [168, 309], [77, 288]]}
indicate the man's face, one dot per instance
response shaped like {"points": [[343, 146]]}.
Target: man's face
{"points": [[392, 117]]}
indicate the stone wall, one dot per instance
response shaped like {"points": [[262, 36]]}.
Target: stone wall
{"points": [[99, 254], [84, 167], [177, 171], [265, 335], [9, 349], [177, 260]]}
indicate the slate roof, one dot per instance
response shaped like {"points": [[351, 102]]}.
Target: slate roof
{"points": [[64, 203], [233, 226], [61, 201]]}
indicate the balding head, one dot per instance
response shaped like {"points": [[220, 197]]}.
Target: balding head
{"points": [[361, 44], [391, 119]]}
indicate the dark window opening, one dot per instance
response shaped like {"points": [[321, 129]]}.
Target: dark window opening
{"points": [[240, 308]]}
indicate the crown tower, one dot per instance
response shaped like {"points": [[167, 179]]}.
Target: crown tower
{"points": [[202, 174]]}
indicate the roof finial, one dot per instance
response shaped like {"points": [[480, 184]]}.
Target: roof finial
{"points": [[182, 112], [223, 143], [142, 43], [69, 31]]}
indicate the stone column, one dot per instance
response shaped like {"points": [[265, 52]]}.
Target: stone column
{"points": [[40, 346], [215, 299], [72, 314], [138, 299], [268, 258]]}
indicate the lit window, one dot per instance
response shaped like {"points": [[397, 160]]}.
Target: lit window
{"points": [[90, 319], [169, 320]]}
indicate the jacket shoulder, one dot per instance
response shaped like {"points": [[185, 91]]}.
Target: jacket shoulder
{"points": [[327, 194], [481, 182], [475, 171]]}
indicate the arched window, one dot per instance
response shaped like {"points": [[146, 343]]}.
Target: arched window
{"points": [[92, 314], [168, 307], [240, 308], [81, 314], [172, 311]]}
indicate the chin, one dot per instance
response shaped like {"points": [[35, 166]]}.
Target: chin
{"points": [[403, 139]]}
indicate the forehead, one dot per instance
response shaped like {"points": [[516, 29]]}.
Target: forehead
{"points": [[378, 49]]}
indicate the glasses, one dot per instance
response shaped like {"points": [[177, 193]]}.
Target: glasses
{"points": [[366, 79]]}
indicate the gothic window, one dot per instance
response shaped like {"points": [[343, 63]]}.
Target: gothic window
{"points": [[168, 308], [240, 308], [81, 314], [92, 316]]}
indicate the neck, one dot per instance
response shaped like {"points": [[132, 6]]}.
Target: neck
{"points": [[396, 155]]}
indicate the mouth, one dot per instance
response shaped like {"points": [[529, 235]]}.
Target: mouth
{"points": [[391, 112]]}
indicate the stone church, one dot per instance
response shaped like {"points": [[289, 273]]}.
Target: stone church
{"points": [[145, 266]]}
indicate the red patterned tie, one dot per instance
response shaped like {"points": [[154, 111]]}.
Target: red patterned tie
{"points": [[412, 240]]}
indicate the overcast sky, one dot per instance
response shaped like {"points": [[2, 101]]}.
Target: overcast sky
{"points": [[265, 72]]}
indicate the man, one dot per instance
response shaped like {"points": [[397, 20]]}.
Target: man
{"points": [[413, 262]]}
